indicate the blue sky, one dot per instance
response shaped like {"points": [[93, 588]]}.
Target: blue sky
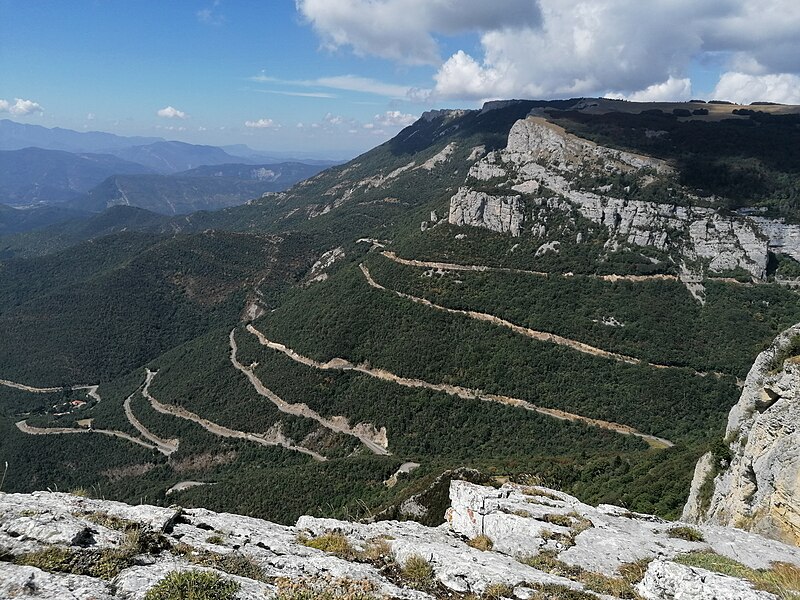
{"points": [[327, 75]]}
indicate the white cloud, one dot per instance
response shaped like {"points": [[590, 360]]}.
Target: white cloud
{"points": [[394, 118], [20, 107], [671, 90], [170, 112], [90, 117], [211, 16], [261, 124], [350, 83], [403, 30], [563, 48], [744, 88]]}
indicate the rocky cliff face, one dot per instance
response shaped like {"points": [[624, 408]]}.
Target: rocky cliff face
{"points": [[540, 154], [528, 543], [758, 486]]}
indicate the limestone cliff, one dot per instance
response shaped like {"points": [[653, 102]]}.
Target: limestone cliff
{"points": [[759, 487], [527, 543], [540, 155]]}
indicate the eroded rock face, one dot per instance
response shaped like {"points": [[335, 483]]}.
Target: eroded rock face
{"points": [[539, 153], [760, 489], [503, 214], [521, 522]]}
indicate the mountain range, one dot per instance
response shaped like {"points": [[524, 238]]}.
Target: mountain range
{"points": [[569, 292], [90, 171]]}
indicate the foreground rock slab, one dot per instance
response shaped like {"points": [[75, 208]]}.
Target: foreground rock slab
{"points": [[513, 541]]}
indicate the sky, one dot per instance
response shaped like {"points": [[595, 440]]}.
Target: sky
{"points": [[334, 77]]}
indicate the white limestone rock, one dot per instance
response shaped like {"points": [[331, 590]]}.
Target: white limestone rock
{"points": [[760, 489], [668, 580], [503, 214], [17, 581]]}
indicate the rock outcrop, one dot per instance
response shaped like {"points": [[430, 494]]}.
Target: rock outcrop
{"points": [[540, 154], [514, 541], [503, 214], [758, 486]]}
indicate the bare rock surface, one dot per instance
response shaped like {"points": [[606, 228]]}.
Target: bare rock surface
{"points": [[489, 537], [541, 154], [759, 487], [670, 580]]}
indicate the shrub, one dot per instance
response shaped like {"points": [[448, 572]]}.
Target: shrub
{"points": [[481, 542], [418, 572], [690, 534], [193, 585]]}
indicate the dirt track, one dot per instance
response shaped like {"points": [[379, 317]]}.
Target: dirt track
{"points": [[540, 336], [337, 424], [340, 364], [166, 447], [444, 266], [91, 390], [25, 428], [272, 439]]}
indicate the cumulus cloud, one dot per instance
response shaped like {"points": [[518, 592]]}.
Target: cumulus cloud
{"points": [[404, 30], [562, 48], [261, 124], [393, 118], [170, 112], [20, 107], [744, 88], [672, 89]]}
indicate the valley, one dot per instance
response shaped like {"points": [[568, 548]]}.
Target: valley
{"points": [[486, 290]]}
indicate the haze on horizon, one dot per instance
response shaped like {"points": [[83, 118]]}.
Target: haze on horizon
{"points": [[334, 76]]}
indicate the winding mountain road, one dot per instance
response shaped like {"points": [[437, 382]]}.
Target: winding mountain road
{"points": [[273, 438], [166, 447], [91, 390], [541, 336], [445, 266], [373, 439], [29, 429], [340, 364]]}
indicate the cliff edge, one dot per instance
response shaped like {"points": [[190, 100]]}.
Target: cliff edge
{"points": [[752, 481]]}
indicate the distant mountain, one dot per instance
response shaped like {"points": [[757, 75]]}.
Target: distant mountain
{"points": [[258, 156], [204, 188], [35, 175], [171, 195], [15, 136], [81, 227], [173, 157], [286, 174], [16, 220]]}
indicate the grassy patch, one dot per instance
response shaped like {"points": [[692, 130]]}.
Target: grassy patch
{"points": [[193, 585], [495, 591], [690, 534], [332, 542], [547, 561], [325, 589], [418, 572], [782, 579]]}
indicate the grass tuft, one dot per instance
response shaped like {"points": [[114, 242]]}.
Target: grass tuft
{"points": [[193, 585]]}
